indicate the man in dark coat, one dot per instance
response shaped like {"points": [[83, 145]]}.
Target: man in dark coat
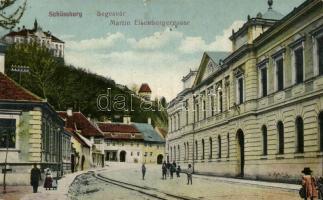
{"points": [[143, 170], [35, 176]]}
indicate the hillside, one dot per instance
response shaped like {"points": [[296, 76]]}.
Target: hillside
{"points": [[67, 86]]}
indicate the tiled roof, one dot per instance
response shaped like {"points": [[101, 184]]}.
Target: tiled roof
{"points": [[26, 32], [78, 122], [144, 88], [10, 90], [117, 128], [120, 131], [148, 132]]}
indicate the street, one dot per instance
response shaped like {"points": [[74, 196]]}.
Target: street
{"points": [[89, 187]]}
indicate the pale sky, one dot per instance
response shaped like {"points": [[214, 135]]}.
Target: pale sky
{"points": [[152, 54]]}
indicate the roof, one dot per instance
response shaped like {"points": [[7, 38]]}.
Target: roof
{"points": [[117, 127], [217, 56], [78, 138], [149, 133], [144, 88], [26, 32], [78, 122], [119, 131], [162, 131], [10, 90]]}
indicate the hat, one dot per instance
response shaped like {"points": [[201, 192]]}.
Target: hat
{"points": [[307, 170]]}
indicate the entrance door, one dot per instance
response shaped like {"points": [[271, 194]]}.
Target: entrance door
{"points": [[122, 156], [240, 152], [159, 159], [72, 163]]}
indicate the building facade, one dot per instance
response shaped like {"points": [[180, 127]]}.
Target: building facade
{"points": [[257, 111], [132, 142], [30, 132], [37, 35]]}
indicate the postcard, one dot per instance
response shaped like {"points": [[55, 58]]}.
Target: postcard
{"points": [[161, 99]]}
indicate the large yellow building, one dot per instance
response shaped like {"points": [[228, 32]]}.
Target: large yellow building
{"points": [[256, 112]]}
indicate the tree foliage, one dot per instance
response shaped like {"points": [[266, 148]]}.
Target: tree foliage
{"points": [[66, 86]]}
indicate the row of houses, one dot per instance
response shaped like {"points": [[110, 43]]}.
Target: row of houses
{"points": [[32, 132], [257, 111]]}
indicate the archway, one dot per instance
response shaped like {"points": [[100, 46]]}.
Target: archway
{"points": [[160, 159], [240, 153], [123, 156]]}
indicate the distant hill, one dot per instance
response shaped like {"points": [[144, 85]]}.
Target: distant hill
{"points": [[66, 86]]}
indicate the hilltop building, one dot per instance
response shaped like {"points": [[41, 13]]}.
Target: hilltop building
{"points": [[36, 34], [256, 112]]}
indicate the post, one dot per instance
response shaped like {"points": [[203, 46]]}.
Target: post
{"points": [[5, 165]]}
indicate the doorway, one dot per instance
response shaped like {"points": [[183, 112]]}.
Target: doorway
{"points": [[160, 159], [122, 156], [240, 153]]}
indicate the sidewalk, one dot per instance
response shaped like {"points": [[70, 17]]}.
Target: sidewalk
{"points": [[285, 186]]}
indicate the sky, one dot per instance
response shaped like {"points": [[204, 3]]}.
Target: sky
{"points": [[154, 54]]}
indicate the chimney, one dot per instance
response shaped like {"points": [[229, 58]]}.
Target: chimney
{"points": [[69, 112], [149, 120], [126, 119]]}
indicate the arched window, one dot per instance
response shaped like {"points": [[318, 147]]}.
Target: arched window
{"points": [[203, 149], [320, 120], [228, 141], [264, 140], [178, 153], [188, 151], [299, 135], [280, 130], [210, 141], [219, 146], [196, 150], [185, 151]]}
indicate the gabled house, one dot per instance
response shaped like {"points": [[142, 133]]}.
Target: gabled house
{"points": [[78, 123], [30, 132]]}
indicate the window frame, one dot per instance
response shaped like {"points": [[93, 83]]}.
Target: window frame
{"points": [[261, 66], [297, 45], [316, 34], [16, 121], [238, 95], [276, 59]]}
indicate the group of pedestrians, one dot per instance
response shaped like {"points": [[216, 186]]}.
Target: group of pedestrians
{"points": [[168, 170], [35, 177]]}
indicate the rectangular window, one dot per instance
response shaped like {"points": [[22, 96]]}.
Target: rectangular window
{"points": [[320, 54], [280, 74], [7, 133], [204, 109], [197, 113], [220, 102], [240, 95], [299, 68], [263, 76]]}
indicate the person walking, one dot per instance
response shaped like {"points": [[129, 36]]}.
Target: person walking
{"points": [[172, 170], [164, 171], [309, 184], [168, 167], [35, 177], [178, 171], [143, 170], [189, 173], [48, 184]]}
